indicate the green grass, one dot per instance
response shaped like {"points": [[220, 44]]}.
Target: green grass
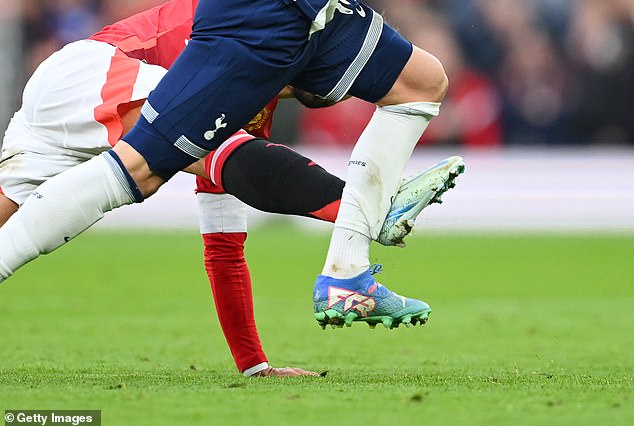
{"points": [[525, 330]]}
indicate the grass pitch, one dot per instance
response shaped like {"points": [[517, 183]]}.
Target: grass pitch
{"points": [[525, 330]]}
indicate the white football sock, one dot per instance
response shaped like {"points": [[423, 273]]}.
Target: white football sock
{"points": [[61, 209], [221, 213], [348, 254], [374, 172]]}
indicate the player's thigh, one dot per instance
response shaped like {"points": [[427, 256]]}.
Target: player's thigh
{"points": [[357, 54], [423, 79]]}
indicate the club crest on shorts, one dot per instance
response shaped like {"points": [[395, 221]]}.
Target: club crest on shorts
{"points": [[209, 134]]}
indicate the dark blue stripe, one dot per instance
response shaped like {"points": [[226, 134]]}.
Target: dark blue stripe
{"points": [[138, 197]]}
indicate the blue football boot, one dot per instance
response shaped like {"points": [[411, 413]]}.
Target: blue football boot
{"points": [[343, 301]]}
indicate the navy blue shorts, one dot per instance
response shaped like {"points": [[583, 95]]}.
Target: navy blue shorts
{"points": [[242, 53]]}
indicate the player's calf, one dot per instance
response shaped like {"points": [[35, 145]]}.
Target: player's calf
{"points": [[274, 178]]}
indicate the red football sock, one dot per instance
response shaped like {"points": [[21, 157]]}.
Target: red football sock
{"points": [[231, 285]]}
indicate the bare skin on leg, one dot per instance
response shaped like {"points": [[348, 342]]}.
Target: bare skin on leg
{"points": [[7, 208]]}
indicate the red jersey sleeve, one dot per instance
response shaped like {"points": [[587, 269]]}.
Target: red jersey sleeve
{"points": [[156, 36]]}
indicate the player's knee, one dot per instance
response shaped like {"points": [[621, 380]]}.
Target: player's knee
{"points": [[422, 80], [430, 84], [440, 81], [137, 168], [440, 84]]}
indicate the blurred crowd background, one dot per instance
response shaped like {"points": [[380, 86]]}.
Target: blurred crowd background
{"points": [[522, 72]]}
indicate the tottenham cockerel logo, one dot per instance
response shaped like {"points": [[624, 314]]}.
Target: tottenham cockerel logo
{"points": [[351, 300], [209, 134], [345, 7]]}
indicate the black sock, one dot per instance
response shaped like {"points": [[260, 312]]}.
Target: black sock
{"points": [[276, 179]]}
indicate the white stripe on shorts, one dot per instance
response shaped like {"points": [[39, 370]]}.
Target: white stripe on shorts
{"points": [[149, 112], [367, 49], [189, 148]]}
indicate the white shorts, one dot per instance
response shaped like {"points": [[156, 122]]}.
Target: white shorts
{"points": [[69, 113]]}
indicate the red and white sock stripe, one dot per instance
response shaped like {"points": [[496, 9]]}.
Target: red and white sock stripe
{"points": [[215, 164]]}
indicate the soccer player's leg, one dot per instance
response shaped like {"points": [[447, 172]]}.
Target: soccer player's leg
{"points": [[422, 79], [274, 178], [379, 156], [408, 85]]}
